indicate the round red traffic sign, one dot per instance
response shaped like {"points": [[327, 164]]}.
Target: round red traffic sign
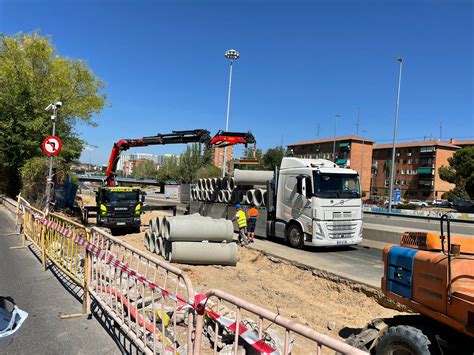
{"points": [[52, 145]]}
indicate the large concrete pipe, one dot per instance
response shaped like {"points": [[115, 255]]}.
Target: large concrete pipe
{"points": [[230, 184], [146, 240], [219, 184], [197, 253], [199, 184], [265, 198], [208, 184], [166, 249], [259, 196], [161, 246], [214, 183], [234, 196], [199, 229], [227, 195], [252, 177], [153, 226], [251, 196], [219, 195], [154, 243]]}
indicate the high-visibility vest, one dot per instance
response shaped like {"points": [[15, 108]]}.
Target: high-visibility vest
{"points": [[241, 219], [253, 213]]}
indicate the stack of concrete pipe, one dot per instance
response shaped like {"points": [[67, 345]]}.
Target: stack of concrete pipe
{"points": [[192, 239], [247, 187]]}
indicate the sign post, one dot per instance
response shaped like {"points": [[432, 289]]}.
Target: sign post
{"points": [[51, 146]]}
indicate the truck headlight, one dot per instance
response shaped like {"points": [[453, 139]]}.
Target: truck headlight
{"points": [[103, 210], [137, 210]]}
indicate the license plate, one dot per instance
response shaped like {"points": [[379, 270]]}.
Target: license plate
{"points": [[120, 223], [339, 242]]}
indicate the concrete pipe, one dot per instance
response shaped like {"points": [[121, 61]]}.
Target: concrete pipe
{"points": [[199, 229], [199, 184], [159, 246], [159, 223], [241, 197], [265, 198], [214, 183], [258, 196], [234, 196], [154, 246], [251, 196], [146, 240], [252, 177], [209, 184], [153, 226], [218, 183], [197, 253], [219, 196], [166, 249], [230, 184], [227, 195]]}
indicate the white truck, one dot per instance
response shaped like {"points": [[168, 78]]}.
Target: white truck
{"points": [[308, 202]]}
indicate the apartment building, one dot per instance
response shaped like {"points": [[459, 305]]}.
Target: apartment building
{"points": [[219, 157], [416, 169], [350, 151]]}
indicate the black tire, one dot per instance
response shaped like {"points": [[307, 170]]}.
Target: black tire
{"points": [[295, 236], [403, 340]]}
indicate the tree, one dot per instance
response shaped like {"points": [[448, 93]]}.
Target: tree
{"points": [[145, 169], [208, 171], [169, 169], [461, 173], [32, 75], [273, 157]]}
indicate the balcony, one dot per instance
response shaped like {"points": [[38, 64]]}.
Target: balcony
{"points": [[425, 184], [426, 171], [344, 146]]}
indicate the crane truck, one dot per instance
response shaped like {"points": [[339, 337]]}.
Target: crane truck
{"points": [[118, 207], [432, 275], [309, 202]]}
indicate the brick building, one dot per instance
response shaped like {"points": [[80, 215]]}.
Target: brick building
{"points": [[219, 157], [416, 169], [351, 151], [462, 143]]}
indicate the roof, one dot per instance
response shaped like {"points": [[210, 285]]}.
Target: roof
{"points": [[337, 139], [469, 142], [429, 143]]}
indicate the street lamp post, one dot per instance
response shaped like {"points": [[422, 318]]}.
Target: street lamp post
{"points": [[49, 181], [334, 142], [392, 172], [232, 55]]}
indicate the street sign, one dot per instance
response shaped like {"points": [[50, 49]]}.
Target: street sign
{"points": [[51, 145], [396, 195]]}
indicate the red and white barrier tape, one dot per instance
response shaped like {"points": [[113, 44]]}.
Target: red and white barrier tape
{"points": [[198, 303]]}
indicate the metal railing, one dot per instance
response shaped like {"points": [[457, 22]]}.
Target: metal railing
{"points": [[155, 320], [263, 328]]}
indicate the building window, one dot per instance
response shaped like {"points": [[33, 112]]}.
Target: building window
{"points": [[387, 183], [409, 161]]}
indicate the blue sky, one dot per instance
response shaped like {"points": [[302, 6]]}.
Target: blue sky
{"points": [[301, 63]]}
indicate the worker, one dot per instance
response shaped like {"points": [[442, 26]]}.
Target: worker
{"points": [[241, 219], [252, 216]]}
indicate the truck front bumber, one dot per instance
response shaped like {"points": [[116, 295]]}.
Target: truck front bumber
{"points": [[324, 234]]}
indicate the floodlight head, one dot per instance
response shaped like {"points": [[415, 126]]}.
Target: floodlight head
{"points": [[399, 59], [232, 55]]}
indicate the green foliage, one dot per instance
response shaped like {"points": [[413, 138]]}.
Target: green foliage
{"points": [[169, 170], [268, 160], [460, 172], [33, 175], [208, 171], [146, 169], [32, 75]]}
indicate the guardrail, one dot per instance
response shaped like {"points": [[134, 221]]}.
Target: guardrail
{"points": [[153, 301], [155, 321], [418, 215], [285, 336]]}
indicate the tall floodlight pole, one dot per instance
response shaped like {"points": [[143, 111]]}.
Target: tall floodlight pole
{"points": [[334, 142], [49, 182], [392, 172], [232, 55]]}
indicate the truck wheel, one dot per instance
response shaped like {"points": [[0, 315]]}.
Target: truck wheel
{"points": [[403, 339], [295, 236]]}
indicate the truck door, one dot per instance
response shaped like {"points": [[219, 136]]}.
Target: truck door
{"points": [[302, 203]]}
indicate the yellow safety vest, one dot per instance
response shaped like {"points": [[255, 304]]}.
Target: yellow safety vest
{"points": [[241, 219]]}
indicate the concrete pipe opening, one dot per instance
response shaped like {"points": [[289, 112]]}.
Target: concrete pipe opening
{"points": [[161, 246], [152, 225], [218, 183], [234, 196], [214, 183], [230, 184], [252, 177], [154, 240], [199, 229], [251, 196], [259, 196], [197, 253], [146, 240], [227, 195]]}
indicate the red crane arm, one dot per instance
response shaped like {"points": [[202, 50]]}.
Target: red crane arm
{"points": [[221, 139]]}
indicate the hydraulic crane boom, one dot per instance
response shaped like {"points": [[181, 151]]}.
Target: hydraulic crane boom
{"points": [[221, 139]]}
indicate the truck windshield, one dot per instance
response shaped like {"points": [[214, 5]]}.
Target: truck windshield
{"points": [[117, 196], [336, 185]]}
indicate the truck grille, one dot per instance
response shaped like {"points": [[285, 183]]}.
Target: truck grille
{"points": [[342, 215], [341, 229]]}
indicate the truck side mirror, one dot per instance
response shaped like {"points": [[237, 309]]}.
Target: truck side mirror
{"points": [[142, 197], [309, 187]]}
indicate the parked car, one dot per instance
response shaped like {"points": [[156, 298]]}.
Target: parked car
{"points": [[441, 203], [464, 206], [394, 203], [418, 203]]}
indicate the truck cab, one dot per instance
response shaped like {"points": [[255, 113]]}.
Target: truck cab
{"points": [[119, 208], [318, 203]]}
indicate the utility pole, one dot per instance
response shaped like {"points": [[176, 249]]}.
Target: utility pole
{"points": [[441, 130], [49, 181], [318, 130], [334, 142], [232, 55], [362, 164], [392, 172]]}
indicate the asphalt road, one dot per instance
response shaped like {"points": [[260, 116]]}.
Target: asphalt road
{"points": [[419, 224], [45, 297]]}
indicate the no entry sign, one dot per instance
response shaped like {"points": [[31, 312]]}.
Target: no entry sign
{"points": [[52, 145]]}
